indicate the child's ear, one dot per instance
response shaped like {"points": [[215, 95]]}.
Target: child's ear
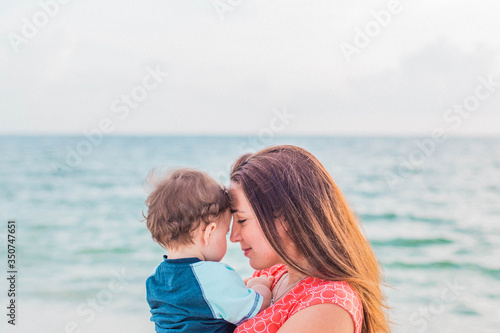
{"points": [[209, 232]]}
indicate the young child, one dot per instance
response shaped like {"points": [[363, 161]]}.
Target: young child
{"points": [[191, 291]]}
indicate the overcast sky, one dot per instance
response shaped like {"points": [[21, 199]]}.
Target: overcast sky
{"points": [[230, 67]]}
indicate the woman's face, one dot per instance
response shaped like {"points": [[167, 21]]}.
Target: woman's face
{"points": [[247, 231]]}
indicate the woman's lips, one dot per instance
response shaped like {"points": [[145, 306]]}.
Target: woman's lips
{"points": [[246, 251]]}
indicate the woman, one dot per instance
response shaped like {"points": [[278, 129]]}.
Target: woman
{"points": [[293, 223]]}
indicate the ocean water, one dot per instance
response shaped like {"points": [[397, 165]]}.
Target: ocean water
{"points": [[430, 209]]}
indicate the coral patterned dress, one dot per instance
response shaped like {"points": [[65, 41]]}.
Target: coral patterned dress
{"points": [[308, 292]]}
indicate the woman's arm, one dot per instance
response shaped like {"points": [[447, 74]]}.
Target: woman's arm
{"points": [[328, 318]]}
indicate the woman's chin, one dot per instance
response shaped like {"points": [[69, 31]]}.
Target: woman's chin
{"points": [[254, 264], [259, 265]]}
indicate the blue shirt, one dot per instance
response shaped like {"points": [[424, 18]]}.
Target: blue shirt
{"points": [[191, 295]]}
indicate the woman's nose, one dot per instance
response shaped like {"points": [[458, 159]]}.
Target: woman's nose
{"points": [[235, 233]]}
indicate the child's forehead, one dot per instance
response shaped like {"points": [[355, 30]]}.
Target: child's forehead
{"points": [[225, 219], [225, 215]]}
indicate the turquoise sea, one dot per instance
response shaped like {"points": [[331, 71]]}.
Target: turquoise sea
{"points": [[430, 209]]}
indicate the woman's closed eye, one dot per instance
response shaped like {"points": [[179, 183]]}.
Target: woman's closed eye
{"points": [[241, 221]]}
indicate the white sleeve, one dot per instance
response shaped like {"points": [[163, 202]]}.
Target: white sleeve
{"points": [[226, 293]]}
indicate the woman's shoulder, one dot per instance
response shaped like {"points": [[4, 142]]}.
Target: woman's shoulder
{"points": [[328, 289], [308, 292], [313, 291], [276, 271]]}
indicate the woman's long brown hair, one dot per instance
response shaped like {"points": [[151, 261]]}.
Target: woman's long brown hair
{"points": [[290, 190]]}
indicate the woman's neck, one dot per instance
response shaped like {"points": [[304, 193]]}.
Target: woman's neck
{"points": [[286, 282], [294, 275]]}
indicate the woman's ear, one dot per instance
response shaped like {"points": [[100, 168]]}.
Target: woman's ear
{"points": [[208, 233]]}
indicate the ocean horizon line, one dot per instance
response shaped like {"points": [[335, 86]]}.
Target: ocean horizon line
{"points": [[228, 135]]}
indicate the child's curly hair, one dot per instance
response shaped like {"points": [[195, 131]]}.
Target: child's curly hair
{"points": [[181, 199]]}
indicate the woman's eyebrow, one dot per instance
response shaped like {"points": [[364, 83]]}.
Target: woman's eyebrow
{"points": [[234, 210]]}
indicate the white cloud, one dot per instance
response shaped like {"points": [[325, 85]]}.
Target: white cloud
{"points": [[227, 76]]}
